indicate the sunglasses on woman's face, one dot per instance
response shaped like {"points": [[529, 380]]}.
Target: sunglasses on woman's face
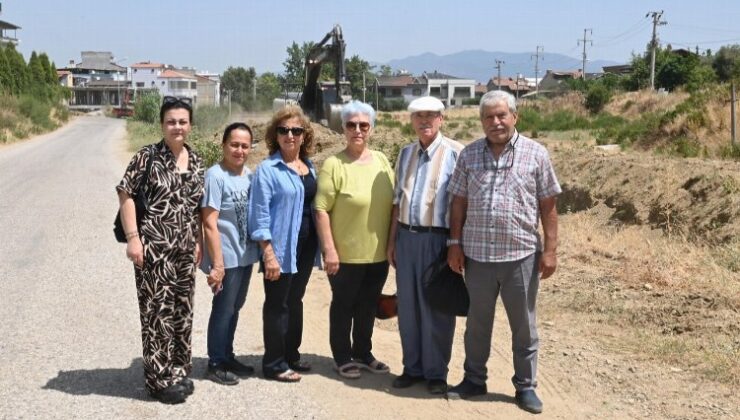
{"points": [[352, 126], [283, 131]]}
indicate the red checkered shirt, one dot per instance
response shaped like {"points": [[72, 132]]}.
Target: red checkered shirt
{"points": [[503, 196]]}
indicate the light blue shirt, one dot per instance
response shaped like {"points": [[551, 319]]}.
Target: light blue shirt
{"points": [[276, 205], [229, 194], [421, 182]]}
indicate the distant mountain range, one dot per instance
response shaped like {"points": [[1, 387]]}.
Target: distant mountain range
{"points": [[481, 65]]}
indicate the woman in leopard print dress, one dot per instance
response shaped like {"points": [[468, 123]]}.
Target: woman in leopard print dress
{"points": [[166, 250]]}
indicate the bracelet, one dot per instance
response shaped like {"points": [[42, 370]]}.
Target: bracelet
{"points": [[131, 234]]}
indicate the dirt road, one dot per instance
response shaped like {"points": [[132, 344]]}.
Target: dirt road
{"points": [[70, 343]]}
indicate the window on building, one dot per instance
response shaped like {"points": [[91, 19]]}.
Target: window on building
{"points": [[461, 92], [152, 82], [135, 70], [162, 82], [396, 92], [152, 71], [140, 84], [192, 85], [416, 92], [435, 91]]}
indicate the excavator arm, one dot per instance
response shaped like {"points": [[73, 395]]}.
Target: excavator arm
{"points": [[319, 101]]}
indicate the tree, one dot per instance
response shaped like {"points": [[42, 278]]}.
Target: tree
{"points": [[38, 74], [356, 67], [295, 65], [726, 62], [240, 83], [51, 72], [268, 88], [19, 74], [672, 70], [385, 70], [5, 79]]}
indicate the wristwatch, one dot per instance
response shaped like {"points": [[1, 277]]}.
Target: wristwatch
{"points": [[451, 242]]}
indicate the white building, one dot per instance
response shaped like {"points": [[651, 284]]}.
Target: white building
{"points": [[450, 90], [149, 75]]}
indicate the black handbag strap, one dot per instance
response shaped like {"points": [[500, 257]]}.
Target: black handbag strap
{"points": [[145, 181]]}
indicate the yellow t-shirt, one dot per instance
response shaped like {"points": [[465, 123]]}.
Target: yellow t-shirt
{"points": [[358, 198]]}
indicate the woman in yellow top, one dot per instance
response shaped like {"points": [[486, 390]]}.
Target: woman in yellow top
{"points": [[353, 207]]}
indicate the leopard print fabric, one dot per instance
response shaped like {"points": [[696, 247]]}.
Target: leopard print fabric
{"points": [[166, 283]]}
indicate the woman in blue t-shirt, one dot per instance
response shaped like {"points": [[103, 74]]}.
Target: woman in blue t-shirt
{"points": [[229, 252]]}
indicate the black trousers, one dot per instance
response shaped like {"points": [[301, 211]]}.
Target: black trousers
{"points": [[282, 313], [355, 290]]}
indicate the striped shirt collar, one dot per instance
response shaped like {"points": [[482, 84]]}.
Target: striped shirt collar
{"points": [[432, 147]]}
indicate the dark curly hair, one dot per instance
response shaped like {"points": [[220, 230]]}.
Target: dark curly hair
{"points": [[288, 112]]}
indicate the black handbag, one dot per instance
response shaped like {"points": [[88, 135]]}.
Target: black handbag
{"points": [[140, 202], [445, 289]]}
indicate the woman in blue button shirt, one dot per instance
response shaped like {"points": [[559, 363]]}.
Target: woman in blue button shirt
{"points": [[229, 252], [281, 220]]}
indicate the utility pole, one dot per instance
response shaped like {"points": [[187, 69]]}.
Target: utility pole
{"points": [[654, 43], [518, 76], [585, 40], [229, 92], [376, 95], [498, 67], [363, 87], [733, 100], [536, 56], [254, 92]]}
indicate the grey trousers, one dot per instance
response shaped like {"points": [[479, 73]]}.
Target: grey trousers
{"points": [[426, 334], [517, 282]]}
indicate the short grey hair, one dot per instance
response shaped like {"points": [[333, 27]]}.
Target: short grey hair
{"points": [[495, 96], [357, 107]]}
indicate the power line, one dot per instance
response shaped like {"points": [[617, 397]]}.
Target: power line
{"points": [[635, 26]]}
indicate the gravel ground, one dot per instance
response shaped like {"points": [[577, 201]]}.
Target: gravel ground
{"points": [[70, 345]]}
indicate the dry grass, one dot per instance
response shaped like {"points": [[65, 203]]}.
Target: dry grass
{"points": [[672, 302], [631, 105]]}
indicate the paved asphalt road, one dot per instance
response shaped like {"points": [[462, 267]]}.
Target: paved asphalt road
{"points": [[69, 337]]}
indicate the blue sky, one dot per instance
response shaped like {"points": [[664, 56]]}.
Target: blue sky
{"points": [[215, 34]]}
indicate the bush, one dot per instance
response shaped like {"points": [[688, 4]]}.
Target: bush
{"points": [[471, 101], [597, 97], [687, 147], [731, 151], [146, 108], [37, 111], [393, 105], [210, 119]]}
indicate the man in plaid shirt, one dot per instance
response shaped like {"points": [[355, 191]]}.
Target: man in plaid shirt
{"points": [[502, 186]]}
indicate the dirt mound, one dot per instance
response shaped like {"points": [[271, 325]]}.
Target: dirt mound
{"points": [[695, 198]]}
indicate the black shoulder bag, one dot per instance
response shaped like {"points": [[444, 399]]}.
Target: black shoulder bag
{"points": [[140, 202]]}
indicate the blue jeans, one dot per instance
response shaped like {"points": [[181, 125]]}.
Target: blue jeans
{"points": [[225, 314]]}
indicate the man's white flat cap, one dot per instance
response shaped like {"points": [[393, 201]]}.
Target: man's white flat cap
{"points": [[427, 103]]}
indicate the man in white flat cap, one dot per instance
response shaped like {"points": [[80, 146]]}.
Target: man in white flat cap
{"points": [[419, 233]]}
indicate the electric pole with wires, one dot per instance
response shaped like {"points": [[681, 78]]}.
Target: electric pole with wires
{"points": [[585, 40], [654, 43]]}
